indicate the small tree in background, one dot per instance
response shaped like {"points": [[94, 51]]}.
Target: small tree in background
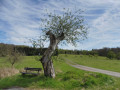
{"points": [[14, 56], [37, 43], [111, 55]]}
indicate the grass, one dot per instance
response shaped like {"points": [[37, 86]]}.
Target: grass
{"points": [[28, 61], [96, 62], [67, 77]]}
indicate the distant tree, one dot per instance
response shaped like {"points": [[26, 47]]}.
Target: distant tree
{"points": [[118, 56], [104, 51], [3, 50], [84, 52], [111, 55], [37, 44], [14, 56]]}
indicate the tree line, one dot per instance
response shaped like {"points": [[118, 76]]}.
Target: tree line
{"points": [[111, 53], [25, 50]]}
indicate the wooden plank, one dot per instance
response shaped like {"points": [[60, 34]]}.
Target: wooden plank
{"points": [[27, 69], [23, 73], [33, 69]]}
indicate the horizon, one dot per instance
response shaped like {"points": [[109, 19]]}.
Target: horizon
{"points": [[20, 19], [63, 48]]}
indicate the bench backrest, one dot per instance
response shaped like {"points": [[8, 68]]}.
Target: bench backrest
{"points": [[33, 69]]}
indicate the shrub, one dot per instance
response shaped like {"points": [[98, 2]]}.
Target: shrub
{"points": [[118, 56], [111, 55]]}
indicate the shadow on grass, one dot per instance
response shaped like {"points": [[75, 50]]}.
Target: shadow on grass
{"points": [[21, 81], [68, 81]]}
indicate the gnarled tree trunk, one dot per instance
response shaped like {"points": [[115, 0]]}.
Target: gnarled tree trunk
{"points": [[47, 62], [49, 69], [46, 59]]}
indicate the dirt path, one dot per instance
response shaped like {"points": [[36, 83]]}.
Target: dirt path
{"points": [[20, 88], [82, 67], [14, 88]]}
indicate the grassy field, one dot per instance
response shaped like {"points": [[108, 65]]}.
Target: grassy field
{"points": [[67, 77], [96, 62], [27, 61]]}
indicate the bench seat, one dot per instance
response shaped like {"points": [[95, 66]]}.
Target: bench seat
{"points": [[28, 71]]}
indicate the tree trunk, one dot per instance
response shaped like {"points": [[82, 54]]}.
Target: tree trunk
{"points": [[47, 62], [46, 58], [49, 69]]}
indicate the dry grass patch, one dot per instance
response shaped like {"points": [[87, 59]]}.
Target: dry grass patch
{"points": [[6, 72]]}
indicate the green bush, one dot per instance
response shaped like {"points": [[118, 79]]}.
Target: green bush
{"points": [[118, 56], [111, 55]]}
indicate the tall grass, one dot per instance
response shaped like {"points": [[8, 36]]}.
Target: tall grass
{"points": [[6, 72]]}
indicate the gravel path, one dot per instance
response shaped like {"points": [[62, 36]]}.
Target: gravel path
{"points": [[116, 74], [86, 68]]}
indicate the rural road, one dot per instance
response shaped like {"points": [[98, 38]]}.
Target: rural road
{"points": [[86, 68]]}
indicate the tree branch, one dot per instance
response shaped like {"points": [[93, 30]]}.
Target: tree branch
{"points": [[52, 36], [49, 33], [61, 37]]}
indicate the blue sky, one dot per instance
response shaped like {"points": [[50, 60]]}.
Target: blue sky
{"points": [[20, 19]]}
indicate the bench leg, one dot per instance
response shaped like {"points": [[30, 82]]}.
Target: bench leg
{"points": [[23, 74]]}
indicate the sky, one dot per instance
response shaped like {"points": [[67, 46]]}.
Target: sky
{"points": [[20, 20]]}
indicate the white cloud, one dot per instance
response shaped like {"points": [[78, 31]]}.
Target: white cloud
{"points": [[23, 19]]}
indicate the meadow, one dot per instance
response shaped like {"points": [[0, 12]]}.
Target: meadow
{"points": [[67, 77], [95, 61]]}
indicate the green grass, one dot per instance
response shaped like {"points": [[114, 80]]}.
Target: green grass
{"points": [[67, 77], [96, 62], [27, 61]]}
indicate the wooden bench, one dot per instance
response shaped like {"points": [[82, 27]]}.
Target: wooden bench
{"points": [[28, 71]]}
